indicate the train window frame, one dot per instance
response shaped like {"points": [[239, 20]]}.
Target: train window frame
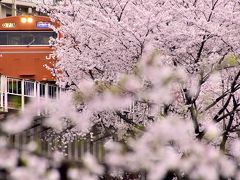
{"points": [[30, 44]]}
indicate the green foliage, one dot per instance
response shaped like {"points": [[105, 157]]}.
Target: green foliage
{"points": [[232, 60], [14, 101]]}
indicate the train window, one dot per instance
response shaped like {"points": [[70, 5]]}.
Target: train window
{"points": [[3, 39], [14, 39], [26, 38], [43, 37]]}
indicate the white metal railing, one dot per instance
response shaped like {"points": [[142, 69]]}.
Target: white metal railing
{"points": [[15, 93]]}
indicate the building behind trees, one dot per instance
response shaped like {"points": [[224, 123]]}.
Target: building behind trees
{"points": [[17, 7]]}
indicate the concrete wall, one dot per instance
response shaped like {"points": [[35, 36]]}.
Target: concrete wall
{"points": [[4, 11]]}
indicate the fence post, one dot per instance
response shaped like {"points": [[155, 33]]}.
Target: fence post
{"points": [[38, 98], [5, 92], [22, 94], [1, 92]]}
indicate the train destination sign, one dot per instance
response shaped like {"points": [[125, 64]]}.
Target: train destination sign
{"points": [[43, 24], [8, 25]]}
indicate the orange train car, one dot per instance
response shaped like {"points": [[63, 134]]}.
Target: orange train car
{"points": [[25, 49]]}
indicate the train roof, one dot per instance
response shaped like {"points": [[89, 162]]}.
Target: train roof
{"points": [[26, 23]]}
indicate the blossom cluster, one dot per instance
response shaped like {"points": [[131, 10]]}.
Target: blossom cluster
{"points": [[159, 79]]}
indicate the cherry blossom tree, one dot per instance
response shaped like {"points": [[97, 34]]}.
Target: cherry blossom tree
{"points": [[159, 80], [103, 39]]}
